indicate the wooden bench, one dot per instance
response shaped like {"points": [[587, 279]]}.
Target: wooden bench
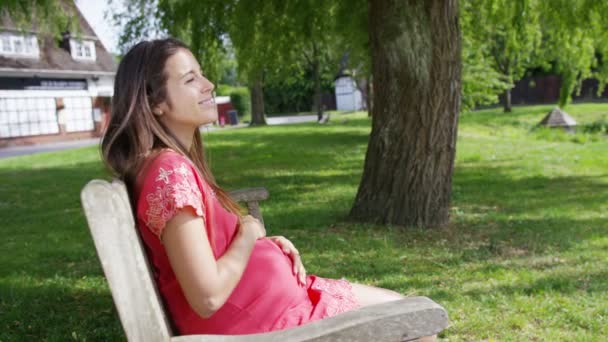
{"points": [[143, 317]]}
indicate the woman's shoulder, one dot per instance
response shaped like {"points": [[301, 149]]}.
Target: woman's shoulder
{"points": [[168, 184], [167, 156], [167, 166], [165, 159]]}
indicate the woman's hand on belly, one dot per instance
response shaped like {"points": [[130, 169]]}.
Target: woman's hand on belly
{"points": [[289, 249]]}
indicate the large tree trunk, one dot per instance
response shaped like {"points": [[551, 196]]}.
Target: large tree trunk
{"points": [[257, 103], [416, 68], [507, 107]]}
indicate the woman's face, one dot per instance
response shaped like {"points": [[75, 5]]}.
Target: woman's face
{"points": [[189, 102]]}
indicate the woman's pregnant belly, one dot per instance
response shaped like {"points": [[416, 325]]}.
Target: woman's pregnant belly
{"points": [[268, 286]]}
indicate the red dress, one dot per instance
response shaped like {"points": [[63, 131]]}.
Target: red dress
{"points": [[268, 296]]}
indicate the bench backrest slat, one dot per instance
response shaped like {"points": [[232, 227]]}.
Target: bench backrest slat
{"points": [[122, 255]]}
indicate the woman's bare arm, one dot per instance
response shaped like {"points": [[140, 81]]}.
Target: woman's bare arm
{"points": [[207, 283]]}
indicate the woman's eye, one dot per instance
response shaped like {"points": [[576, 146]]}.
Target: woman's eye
{"points": [[189, 80]]}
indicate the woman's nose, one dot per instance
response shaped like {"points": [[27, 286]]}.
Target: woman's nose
{"points": [[206, 85]]}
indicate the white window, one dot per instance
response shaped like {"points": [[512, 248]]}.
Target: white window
{"points": [[7, 46], [83, 50], [14, 45], [78, 114], [31, 44], [27, 116], [87, 51], [18, 45]]}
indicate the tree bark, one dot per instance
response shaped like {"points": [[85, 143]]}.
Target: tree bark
{"points": [[507, 107], [257, 103], [369, 96], [567, 88], [416, 68], [316, 69]]}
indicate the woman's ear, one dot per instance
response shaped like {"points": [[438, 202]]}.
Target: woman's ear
{"points": [[160, 109]]}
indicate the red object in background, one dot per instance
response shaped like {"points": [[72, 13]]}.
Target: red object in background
{"points": [[222, 111]]}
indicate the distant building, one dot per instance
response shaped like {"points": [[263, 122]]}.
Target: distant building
{"points": [[348, 96], [224, 107], [53, 88]]}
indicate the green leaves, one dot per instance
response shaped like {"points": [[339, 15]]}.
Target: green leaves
{"points": [[574, 35], [501, 40], [512, 36], [278, 40], [49, 17]]}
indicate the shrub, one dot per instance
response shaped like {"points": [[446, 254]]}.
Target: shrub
{"points": [[241, 100], [223, 90], [600, 126]]}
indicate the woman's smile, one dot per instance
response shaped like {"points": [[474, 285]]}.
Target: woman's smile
{"points": [[207, 102]]}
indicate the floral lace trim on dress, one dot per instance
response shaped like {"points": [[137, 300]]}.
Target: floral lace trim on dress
{"points": [[170, 196], [341, 297]]}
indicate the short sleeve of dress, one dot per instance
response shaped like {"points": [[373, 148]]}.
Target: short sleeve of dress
{"points": [[169, 184]]}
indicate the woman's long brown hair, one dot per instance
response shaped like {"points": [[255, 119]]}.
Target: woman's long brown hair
{"points": [[134, 133]]}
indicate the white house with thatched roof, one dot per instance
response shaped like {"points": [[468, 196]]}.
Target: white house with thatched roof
{"points": [[53, 87]]}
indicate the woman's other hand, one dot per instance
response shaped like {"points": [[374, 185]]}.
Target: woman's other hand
{"points": [[251, 225], [288, 248]]}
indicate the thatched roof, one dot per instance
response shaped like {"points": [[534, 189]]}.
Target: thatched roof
{"points": [[557, 118]]}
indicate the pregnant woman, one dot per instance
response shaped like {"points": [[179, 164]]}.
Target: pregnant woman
{"points": [[216, 270]]}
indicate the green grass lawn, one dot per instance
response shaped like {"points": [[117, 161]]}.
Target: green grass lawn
{"points": [[525, 257]]}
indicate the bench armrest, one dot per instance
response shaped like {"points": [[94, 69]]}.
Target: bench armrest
{"points": [[403, 320], [251, 196]]}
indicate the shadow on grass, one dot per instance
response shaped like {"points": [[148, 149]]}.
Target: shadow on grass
{"points": [[45, 229], [46, 251], [564, 282], [54, 312], [535, 207]]}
